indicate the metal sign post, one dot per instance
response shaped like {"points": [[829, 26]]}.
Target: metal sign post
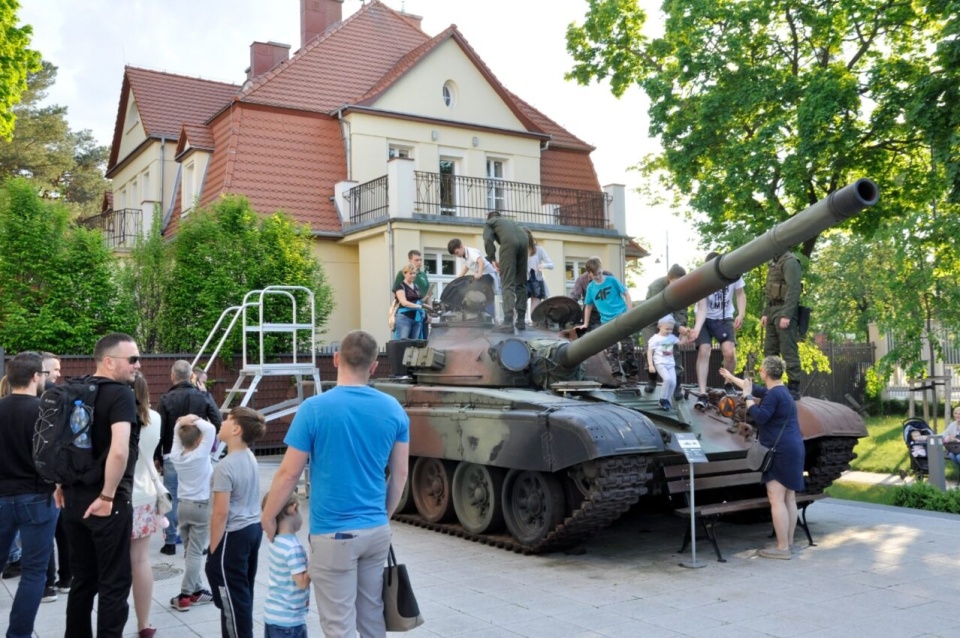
{"points": [[691, 449]]}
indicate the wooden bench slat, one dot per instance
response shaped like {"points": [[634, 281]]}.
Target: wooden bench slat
{"points": [[713, 509], [706, 469], [713, 482]]}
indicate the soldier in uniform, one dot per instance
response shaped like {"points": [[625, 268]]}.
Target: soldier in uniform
{"points": [[780, 315], [512, 266], [656, 287]]}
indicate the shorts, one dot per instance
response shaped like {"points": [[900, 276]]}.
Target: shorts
{"points": [[145, 521], [719, 329]]}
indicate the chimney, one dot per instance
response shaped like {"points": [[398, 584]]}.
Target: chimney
{"points": [[316, 16], [412, 19], [266, 55]]}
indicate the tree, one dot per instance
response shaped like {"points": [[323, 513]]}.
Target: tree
{"points": [[57, 286], [64, 164], [763, 107], [143, 279], [16, 62], [220, 254]]}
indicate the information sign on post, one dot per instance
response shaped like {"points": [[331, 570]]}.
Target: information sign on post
{"points": [[690, 446]]}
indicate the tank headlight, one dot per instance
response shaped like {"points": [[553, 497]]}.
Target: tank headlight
{"points": [[511, 354]]}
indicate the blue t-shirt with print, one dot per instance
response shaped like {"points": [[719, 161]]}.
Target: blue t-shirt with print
{"points": [[607, 297], [348, 432]]}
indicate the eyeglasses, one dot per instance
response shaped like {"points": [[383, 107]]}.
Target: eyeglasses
{"points": [[44, 372], [131, 359]]}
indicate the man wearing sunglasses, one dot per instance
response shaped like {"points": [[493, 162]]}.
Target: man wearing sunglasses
{"points": [[98, 517]]}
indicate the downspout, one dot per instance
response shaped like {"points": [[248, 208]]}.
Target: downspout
{"points": [[163, 156], [345, 134], [390, 252]]}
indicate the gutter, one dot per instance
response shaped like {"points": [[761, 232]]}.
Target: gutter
{"points": [[345, 134]]}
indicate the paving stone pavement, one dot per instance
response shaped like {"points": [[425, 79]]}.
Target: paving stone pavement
{"points": [[876, 571]]}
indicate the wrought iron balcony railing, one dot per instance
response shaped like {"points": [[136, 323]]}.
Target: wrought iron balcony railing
{"points": [[472, 197], [459, 196], [120, 228]]}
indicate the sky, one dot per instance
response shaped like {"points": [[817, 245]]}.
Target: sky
{"points": [[522, 41]]}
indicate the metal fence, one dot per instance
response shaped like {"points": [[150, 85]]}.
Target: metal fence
{"points": [[848, 371]]}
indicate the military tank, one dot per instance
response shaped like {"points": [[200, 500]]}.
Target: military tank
{"points": [[528, 442]]}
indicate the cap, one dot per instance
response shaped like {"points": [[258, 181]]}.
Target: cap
{"points": [[667, 319]]}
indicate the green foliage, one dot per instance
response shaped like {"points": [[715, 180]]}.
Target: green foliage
{"points": [[763, 107], [65, 165], [923, 496], [862, 492], [16, 61], [221, 253], [57, 287], [143, 279]]}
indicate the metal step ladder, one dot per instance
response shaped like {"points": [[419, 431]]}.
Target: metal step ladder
{"points": [[255, 326]]}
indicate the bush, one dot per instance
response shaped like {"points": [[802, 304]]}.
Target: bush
{"points": [[923, 496]]}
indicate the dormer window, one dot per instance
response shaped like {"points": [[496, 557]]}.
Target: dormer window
{"points": [[450, 93]]}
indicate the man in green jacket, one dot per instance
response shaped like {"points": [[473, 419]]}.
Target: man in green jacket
{"points": [[512, 265], [780, 315]]}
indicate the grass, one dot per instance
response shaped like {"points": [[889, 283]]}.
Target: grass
{"points": [[883, 451], [880, 494]]}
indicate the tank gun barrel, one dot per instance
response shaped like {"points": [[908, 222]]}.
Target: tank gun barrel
{"points": [[710, 277]]}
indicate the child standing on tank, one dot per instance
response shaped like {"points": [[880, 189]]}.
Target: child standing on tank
{"points": [[660, 359], [611, 300]]}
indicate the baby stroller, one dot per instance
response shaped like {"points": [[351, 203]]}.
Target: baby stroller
{"points": [[915, 433]]}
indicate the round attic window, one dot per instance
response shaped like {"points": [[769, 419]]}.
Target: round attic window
{"points": [[450, 93]]}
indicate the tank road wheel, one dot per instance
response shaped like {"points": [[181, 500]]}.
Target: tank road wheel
{"points": [[430, 485], [477, 490], [533, 505], [405, 506]]}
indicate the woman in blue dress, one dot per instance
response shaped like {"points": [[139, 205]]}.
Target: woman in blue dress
{"points": [[777, 411]]}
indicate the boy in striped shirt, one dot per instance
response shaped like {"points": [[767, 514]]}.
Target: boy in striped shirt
{"points": [[285, 611]]}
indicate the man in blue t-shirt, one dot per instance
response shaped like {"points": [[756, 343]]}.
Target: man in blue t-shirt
{"points": [[611, 300], [349, 434]]}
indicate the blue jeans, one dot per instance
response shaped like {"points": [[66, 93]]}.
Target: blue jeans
{"points": [[274, 631], [36, 516], [406, 327], [170, 482]]}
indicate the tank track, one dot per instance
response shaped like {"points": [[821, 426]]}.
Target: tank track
{"points": [[619, 484], [831, 457]]}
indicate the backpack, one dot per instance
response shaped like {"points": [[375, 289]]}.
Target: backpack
{"points": [[61, 455]]}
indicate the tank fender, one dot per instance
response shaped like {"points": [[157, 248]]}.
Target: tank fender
{"points": [[581, 433], [825, 418]]}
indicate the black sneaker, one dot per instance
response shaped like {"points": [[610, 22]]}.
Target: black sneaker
{"points": [[701, 403], [650, 387], [169, 549], [201, 597], [521, 326], [729, 388], [12, 570], [665, 405], [63, 586], [49, 595]]}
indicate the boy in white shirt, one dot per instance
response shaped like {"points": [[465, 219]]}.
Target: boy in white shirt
{"points": [[660, 359], [191, 456], [474, 262]]}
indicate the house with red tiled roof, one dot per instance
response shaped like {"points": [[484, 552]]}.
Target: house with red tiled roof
{"points": [[379, 138]]}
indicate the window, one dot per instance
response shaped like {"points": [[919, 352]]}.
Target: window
{"points": [[441, 267], [572, 270], [450, 93], [448, 186], [147, 193], [188, 188], [399, 151], [123, 199], [134, 194], [495, 191]]}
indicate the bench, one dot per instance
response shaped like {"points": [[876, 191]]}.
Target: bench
{"points": [[720, 474]]}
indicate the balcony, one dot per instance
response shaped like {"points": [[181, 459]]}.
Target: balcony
{"points": [[120, 228], [440, 195]]}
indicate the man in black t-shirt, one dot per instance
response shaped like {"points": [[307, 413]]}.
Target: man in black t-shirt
{"points": [[99, 518], [26, 501]]}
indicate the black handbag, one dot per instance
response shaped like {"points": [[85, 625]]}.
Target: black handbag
{"points": [[400, 609]]}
